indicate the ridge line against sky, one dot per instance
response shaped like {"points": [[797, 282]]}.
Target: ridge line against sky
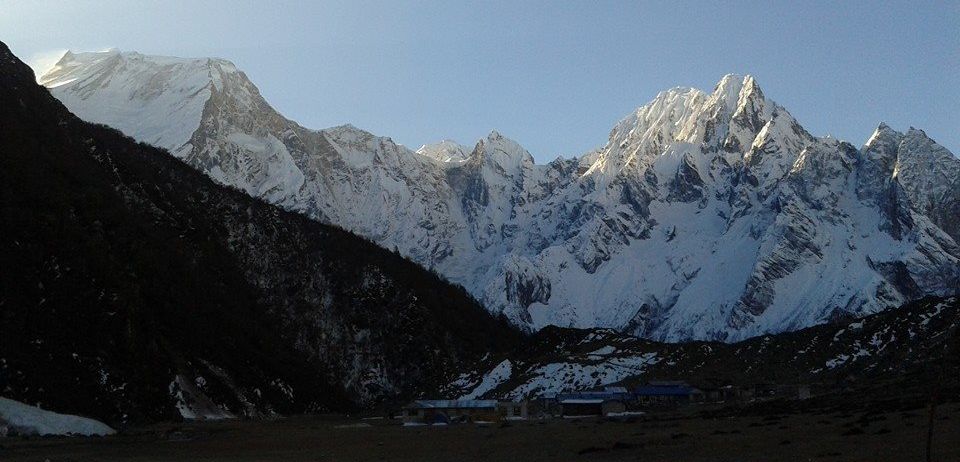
{"points": [[554, 76]]}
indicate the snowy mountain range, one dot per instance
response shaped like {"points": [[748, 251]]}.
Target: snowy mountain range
{"points": [[706, 215], [135, 289]]}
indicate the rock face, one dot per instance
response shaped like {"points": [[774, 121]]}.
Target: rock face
{"points": [[707, 215], [135, 288]]}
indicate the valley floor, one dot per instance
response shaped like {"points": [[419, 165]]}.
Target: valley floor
{"points": [[777, 434]]}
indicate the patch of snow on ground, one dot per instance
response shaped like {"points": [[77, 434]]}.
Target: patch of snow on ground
{"points": [[494, 378], [843, 358], [192, 403], [27, 419], [605, 351], [929, 316], [563, 376]]}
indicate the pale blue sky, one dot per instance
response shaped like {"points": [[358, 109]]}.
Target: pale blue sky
{"points": [[555, 76]]}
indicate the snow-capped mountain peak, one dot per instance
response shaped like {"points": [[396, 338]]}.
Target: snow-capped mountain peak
{"points": [[445, 151], [155, 99], [498, 150], [884, 138], [727, 119], [734, 92]]}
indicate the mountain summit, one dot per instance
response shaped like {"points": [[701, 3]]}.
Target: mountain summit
{"points": [[706, 215]]}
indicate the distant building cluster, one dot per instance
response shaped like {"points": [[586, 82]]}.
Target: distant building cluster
{"points": [[463, 411], [609, 401]]}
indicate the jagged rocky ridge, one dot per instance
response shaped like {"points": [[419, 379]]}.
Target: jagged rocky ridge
{"points": [[707, 215], [134, 288], [916, 341]]}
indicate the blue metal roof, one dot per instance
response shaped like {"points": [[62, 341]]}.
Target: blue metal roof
{"points": [[668, 390], [615, 389], [594, 395], [582, 401], [454, 403]]}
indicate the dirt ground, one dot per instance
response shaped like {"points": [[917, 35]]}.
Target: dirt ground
{"points": [[691, 435]]}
